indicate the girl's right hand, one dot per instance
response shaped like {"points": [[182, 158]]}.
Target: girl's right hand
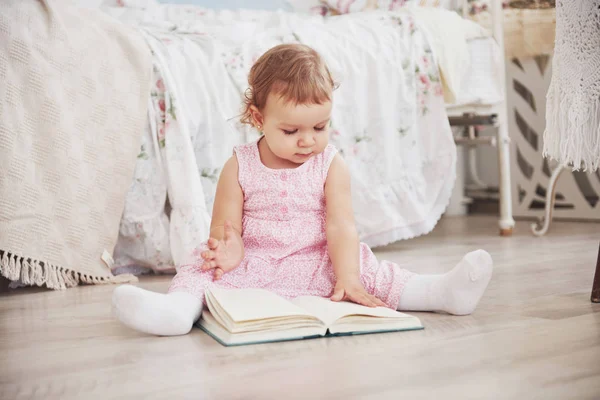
{"points": [[224, 255]]}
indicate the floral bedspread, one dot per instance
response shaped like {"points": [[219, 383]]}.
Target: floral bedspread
{"points": [[389, 122]]}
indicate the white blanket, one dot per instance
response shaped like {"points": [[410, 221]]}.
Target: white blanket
{"points": [[448, 34], [389, 122]]}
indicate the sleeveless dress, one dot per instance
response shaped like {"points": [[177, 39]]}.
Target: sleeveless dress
{"points": [[284, 236]]}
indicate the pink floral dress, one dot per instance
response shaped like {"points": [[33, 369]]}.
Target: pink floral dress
{"points": [[284, 236]]}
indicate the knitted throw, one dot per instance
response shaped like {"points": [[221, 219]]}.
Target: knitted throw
{"points": [[74, 89], [572, 133]]}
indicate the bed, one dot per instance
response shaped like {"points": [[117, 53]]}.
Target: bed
{"points": [[390, 120]]}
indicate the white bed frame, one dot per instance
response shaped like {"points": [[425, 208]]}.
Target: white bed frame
{"points": [[502, 142]]}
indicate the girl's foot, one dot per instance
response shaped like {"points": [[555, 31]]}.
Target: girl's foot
{"points": [[156, 313], [457, 292]]}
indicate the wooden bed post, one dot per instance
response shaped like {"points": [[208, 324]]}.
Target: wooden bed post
{"points": [[596, 284], [506, 222]]}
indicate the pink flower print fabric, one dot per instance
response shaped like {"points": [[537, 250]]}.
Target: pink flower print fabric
{"points": [[284, 236]]}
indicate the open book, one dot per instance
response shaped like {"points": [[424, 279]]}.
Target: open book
{"points": [[251, 316]]}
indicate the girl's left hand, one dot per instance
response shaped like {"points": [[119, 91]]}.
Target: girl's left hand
{"points": [[353, 290]]}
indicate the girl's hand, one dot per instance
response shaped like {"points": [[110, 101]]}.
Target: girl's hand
{"points": [[224, 255], [354, 291]]}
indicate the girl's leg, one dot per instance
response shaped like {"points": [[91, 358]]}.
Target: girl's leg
{"points": [[456, 292], [162, 314]]}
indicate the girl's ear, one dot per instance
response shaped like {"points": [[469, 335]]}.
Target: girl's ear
{"points": [[257, 117]]}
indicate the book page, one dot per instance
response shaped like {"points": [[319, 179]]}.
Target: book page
{"points": [[329, 311], [209, 324], [253, 304]]}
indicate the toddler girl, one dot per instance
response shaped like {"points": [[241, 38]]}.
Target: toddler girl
{"points": [[283, 218]]}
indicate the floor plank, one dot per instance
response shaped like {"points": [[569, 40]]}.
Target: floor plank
{"points": [[534, 335]]}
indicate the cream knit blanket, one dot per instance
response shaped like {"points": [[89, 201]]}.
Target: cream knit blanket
{"points": [[74, 89], [572, 133]]}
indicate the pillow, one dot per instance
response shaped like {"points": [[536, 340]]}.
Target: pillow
{"points": [[349, 6], [235, 4], [141, 4], [480, 6], [309, 7]]}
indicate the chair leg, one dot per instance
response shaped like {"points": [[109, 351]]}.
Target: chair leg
{"points": [[541, 227], [596, 284]]}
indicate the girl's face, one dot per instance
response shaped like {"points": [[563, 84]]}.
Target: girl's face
{"points": [[294, 132]]}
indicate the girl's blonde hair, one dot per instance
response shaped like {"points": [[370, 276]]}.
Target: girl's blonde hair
{"points": [[294, 71]]}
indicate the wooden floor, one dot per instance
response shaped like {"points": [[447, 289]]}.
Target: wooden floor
{"points": [[535, 335]]}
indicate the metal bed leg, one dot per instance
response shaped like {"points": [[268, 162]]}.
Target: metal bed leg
{"points": [[507, 223]]}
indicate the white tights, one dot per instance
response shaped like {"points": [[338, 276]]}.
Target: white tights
{"points": [[456, 292]]}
